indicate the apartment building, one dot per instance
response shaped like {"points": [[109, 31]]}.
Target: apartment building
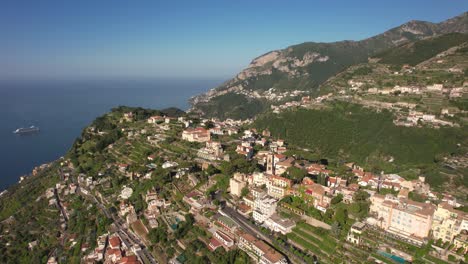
{"points": [[264, 207], [447, 222], [407, 219]]}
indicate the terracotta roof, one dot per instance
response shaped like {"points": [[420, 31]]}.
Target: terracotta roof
{"points": [[224, 236], [287, 162], [116, 252], [114, 241], [316, 188], [353, 186], [279, 178], [244, 208], [247, 237], [367, 177], [316, 166], [307, 181], [192, 194], [358, 173], [196, 130], [280, 156], [129, 260], [214, 244]]}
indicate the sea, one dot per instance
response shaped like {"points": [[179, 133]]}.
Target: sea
{"points": [[61, 109]]}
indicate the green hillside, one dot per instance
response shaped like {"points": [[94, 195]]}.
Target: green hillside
{"points": [[235, 106], [419, 51], [360, 135]]}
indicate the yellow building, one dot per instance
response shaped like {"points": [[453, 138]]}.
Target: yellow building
{"points": [[278, 186], [448, 223], [461, 241]]}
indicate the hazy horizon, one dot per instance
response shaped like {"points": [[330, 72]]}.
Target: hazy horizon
{"points": [[203, 40]]}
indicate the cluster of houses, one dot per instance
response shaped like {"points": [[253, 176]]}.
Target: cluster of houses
{"points": [[155, 204], [272, 94], [213, 150], [416, 222], [251, 138], [259, 195], [304, 102], [450, 92], [152, 211], [227, 233], [198, 201], [412, 221], [111, 249], [200, 134], [277, 187], [413, 118], [259, 250]]}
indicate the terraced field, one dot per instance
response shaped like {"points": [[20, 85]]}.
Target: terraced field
{"points": [[304, 237]]}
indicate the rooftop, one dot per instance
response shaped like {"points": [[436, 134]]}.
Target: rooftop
{"points": [[284, 222]]}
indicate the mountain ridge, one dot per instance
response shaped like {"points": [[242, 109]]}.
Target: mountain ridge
{"points": [[304, 66]]}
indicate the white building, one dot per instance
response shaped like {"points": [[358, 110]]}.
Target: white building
{"points": [[236, 186], [126, 192], [354, 234], [263, 208], [260, 251], [169, 164], [259, 178], [279, 224]]}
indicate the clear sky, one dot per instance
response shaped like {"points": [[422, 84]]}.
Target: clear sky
{"points": [[183, 39]]}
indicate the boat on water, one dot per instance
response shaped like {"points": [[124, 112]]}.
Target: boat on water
{"points": [[25, 130]]}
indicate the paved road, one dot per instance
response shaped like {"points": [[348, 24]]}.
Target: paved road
{"points": [[255, 231], [65, 217], [131, 238], [125, 233]]}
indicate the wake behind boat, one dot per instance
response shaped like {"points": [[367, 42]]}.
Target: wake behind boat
{"points": [[23, 130]]}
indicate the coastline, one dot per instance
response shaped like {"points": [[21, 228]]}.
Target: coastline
{"points": [[26, 103]]}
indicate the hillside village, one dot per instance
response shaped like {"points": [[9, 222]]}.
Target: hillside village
{"points": [[422, 95], [173, 187], [245, 176]]}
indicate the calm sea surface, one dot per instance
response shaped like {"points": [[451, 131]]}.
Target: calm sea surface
{"points": [[63, 108]]}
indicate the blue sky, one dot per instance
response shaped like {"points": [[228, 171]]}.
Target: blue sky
{"points": [[183, 39]]}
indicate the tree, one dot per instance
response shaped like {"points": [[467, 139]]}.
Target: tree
{"points": [[329, 214], [296, 174], [322, 179], [244, 191], [158, 235], [211, 170], [341, 215], [452, 258], [184, 227], [336, 229], [337, 199], [209, 124], [238, 163], [360, 196], [170, 252], [236, 256]]}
